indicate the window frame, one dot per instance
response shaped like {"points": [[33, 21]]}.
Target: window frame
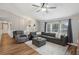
{"points": [[59, 27]]}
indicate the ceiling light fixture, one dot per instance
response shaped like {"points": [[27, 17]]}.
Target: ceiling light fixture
{"points": [[43, 9]]}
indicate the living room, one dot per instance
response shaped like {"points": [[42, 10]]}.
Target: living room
{"points": [[51, 26]]}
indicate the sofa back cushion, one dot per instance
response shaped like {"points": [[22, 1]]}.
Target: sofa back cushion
{"points": [[18, 32], [33, 34], [49, 34], [23, 36]]}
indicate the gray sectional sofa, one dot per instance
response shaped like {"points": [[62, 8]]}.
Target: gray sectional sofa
{"points": [[51, 37]]}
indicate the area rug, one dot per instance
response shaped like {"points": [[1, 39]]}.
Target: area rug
{"points": [[48, 49]]}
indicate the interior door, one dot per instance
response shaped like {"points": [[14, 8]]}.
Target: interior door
{"points": [[5, 27]]}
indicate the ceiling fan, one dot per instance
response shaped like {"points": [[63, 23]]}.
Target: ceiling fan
{"points": [[43, 7]]}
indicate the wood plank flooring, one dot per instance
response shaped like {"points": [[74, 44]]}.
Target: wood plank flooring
{"points": [[9, 47]]}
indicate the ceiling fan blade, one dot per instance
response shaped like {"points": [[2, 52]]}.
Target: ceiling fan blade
{"points": [[37, 10], [35, 5], [51, 7], [42, 5]]}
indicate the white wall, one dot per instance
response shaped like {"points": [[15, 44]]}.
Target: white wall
{"points": [[75, 27], [23, 24]]}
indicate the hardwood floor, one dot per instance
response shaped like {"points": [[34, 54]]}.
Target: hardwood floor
{"points": [[9, 47]]}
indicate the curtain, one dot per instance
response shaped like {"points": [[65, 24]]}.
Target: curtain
{"points": [[69, 32], [45, 27]]}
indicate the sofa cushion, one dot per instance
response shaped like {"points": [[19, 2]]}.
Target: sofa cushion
{"points": [[49, 34], [33, 33]]}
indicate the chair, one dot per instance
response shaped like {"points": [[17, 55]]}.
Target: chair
{"points": [[71, 49], [20, 36], [31, 35]]}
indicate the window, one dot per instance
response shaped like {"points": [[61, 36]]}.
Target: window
{"points": [[64, 27], [48, 28], [52, 27], [55, 27]]}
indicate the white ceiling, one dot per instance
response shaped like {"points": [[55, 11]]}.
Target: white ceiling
{"points": [[26, 9]]}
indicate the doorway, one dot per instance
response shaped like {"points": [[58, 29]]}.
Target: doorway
{"points": [[5, 27]]}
